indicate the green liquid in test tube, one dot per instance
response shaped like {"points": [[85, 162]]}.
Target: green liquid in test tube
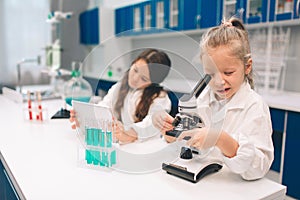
{"points": [[96, 136], [89, 141], [108, 139], [102, 138], [96, 157], [88, 156], [104, 158], [113, 158], [89, 136]]}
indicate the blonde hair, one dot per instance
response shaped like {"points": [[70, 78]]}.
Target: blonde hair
{"points": [[233, 35]]}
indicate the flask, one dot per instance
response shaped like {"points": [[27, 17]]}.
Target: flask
{"points": [[77, 88]]}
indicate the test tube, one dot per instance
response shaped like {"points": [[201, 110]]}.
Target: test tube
{"points": [[102, 133], [95, 134], [108, 134], [89, 141], [113, 157]]}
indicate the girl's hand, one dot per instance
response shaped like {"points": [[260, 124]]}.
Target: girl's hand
{"points": [[118, 128], [197, 137], [123, 136], [73, 120], [202, 138], [163, 121]]}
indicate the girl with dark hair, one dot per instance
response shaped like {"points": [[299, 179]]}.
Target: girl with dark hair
{"points": [[137, 96]]}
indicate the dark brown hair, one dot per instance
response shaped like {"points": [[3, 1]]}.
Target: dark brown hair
{"points": [[150, 92]]}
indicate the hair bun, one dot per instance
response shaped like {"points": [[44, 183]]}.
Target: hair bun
{"points": [[237, 23]]}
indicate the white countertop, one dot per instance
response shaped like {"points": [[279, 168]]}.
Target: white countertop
{"points": [[283, 100], [43, 160]]}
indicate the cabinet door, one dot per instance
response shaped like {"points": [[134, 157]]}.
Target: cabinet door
{"points": [[148, 14], [137, 19], [291, 172], [124, 20], [256, 11], [283, 10], [278, 118], [297, 9], [190, 14], [7, 191], [161, 21], [229, 8], [211, 13], [89, 27]]}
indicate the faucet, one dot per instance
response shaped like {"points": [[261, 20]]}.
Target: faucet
{"points": [[19, 64]]}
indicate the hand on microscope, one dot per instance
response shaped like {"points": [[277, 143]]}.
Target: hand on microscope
{"points": [[163, 121], [197, 137], [205, 138]]}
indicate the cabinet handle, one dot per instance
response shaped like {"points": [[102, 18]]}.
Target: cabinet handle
{"points": [[197, 21]]}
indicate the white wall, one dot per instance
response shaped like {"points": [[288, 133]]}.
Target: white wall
{"points": [[24, 34]]}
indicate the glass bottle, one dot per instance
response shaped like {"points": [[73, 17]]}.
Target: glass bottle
{"points": [[77, 88]]}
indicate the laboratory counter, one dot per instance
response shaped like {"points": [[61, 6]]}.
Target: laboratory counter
{"points": [[41, 160], [289, 101]]}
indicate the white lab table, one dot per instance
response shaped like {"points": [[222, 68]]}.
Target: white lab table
{"points": [[283, 100], [42, 159]]}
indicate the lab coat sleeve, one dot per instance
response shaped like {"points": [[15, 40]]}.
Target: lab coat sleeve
{"points": [[255, 153], [109, 98], [145, 128]]}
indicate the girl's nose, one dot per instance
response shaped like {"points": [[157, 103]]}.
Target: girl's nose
{"points": [[219, 80]]}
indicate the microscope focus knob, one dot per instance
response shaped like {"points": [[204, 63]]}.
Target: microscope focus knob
{"points": [[186, 153]]}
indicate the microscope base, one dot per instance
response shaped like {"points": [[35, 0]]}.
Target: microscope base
{"points": [[184, 171]]}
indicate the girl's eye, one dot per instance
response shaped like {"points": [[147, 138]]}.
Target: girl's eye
{"points": [[145, 80], [228, 73]]}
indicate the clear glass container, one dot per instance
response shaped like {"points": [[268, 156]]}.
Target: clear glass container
{"points": [[77, 88]]}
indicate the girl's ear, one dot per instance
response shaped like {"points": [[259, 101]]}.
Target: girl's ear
{"points": [[248, 66]]}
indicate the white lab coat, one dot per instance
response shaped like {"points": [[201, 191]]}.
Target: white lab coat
{"points": [[145, 128], [246, 118]]}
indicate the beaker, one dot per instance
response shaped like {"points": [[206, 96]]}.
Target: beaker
{"points": [[77, 88]]}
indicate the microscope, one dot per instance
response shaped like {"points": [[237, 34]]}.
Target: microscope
{"points": [[186, 167]]}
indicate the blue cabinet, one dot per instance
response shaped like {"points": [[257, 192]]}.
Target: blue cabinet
{"points": [[211, 13], [164, 15], [89, 27], [291, 172], [278, 119], [254, 11], [287, 122], [143, 17], [123, 21], [284, 10], [7, 191]]}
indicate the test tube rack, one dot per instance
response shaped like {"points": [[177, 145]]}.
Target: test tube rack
{"points": [[98, 149]]}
